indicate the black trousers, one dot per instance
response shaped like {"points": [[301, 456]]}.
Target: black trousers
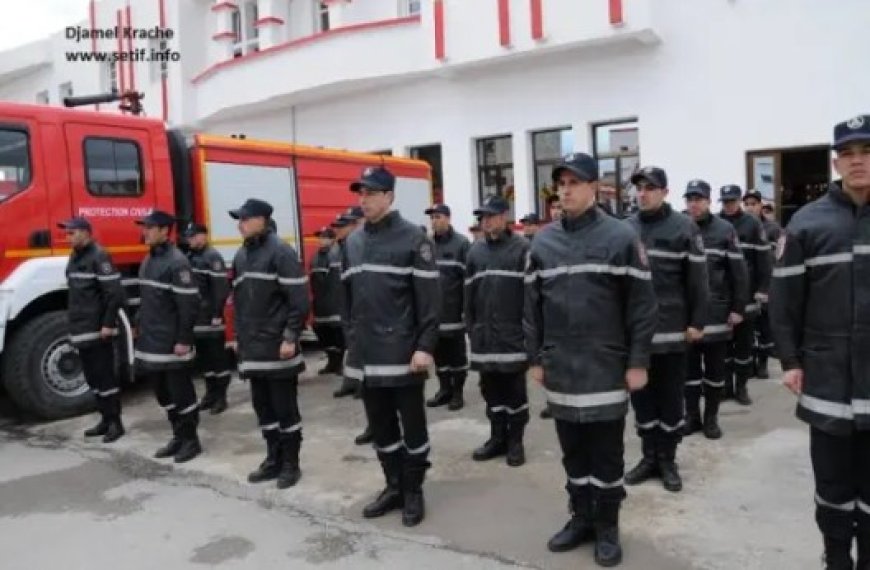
{"points": [[213, 361], [739, 358], [275, 402], [98, 365], [175, 394], [331, 338], [451, 360], [658, 408], [506, 397], [841, 466], [763, 336], [706, 373], [401, 437], [593, 457]]}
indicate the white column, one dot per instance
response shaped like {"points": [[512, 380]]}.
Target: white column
{"points": [[524, 179], [222, 38], [271, 22]]}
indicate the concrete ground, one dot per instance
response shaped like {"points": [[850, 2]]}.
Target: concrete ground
{"points": [[747, 502]]}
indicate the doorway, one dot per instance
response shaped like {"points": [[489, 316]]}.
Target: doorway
{"points": [[432, 154], [789, 177]]}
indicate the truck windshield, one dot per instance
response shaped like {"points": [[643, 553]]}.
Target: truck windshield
{"points": [[14, 162]]}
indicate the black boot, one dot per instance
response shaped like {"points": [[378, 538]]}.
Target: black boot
{"points": [[290, 473], [190, 445], [647, 467], [496, 445], [115, 430], [457, 402], [101, 428], [366, 437], [863, 548], [333, 363], [209, 398], [516, 453], [174, 444], [391, 497], [838, 554], [348, 387], [693, 412], [444, 394], [741, 393], [269, 468], [220, 395], [671, 479], [761, 371], [414, 508], [711, 414], [608, 550], [579, 528], [728, 389]]}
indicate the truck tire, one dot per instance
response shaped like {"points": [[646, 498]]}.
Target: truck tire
{"points": [[42, 371]]}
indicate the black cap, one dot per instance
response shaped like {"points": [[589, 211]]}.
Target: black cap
{"points": [[442, 209], [325, 232], [76, 223], [730, 192], [530, 219], [252, 208], [193, 229], [753, 193], [157, 218], [581, 165], [698, 187], [494, 205], [353, 213], [653, 175], [855, 130], [375, 178], [340, 222]]}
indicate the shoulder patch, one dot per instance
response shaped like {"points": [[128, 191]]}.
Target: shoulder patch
{"points": [[185, 277], [641, 253], [106, 268], [699, 242], [217, 265], [426, 251], [780, 246]]}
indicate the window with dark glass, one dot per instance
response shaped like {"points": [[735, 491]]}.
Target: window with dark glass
{"points": [[14, 162], [548, 147], [495, 169], [616, 146], [113, 167]]}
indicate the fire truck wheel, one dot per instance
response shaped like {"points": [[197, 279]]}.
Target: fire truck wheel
{"points": [[43, 372]]}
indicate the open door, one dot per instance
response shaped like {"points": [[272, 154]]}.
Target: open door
{"points": [[789, 177]]}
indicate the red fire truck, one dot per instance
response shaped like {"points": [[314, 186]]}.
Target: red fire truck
{"points": [[58, 162]]}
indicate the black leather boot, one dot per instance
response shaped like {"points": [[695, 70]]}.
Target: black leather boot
{"points": [[647, 468], [269, 468], [711, 414], [608, 549], [761, 371], [496, 445], [366, 437], [414, 508], [391, 498], [693, 412], [838, 554], [516, 453], [209, 397], [741, 392], [115, 430], [219, 405], [347, 388], [444, 394], [289, 474], [457, 402], [174, 444], [190, 445], [671, 479], [100, 429], [579, 528]]}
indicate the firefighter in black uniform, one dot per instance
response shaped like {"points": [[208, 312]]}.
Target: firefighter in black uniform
{"points": [[756, 251], [590, 314], [95, 297], [451, 361], [675, 248], [494, 315], [729, 294], [531, 225], [351, 384], [270, 296], [754, 204], [210, 272], [165, 341], [392, 304], [820, 312], [325, 277]]}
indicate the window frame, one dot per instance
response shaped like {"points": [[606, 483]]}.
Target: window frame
{"points": [[29, 180], [139, 161], [321, 11], [243, 44], [482, 166], [624, 190], [540, 201]]}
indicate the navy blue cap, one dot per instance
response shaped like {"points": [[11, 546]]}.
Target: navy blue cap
{"points": [[340, 222], [375, 178], [442, 209], [753, 193], [581, 165], [652, 175], [494, 205], [325, 231], [252, 208], [730, 192], [76, 223], [193, 229], [353, 213], [855, 130], [531, 219], [157, 218], [698, 187]]}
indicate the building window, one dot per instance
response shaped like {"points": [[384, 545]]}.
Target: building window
{"points": [[409, 7], [321, 17], [616, 146], [113, 167], [432, 155], [159, 61], [14, 162], [65, 90], [548, 147], [42, 97], [244, 20], [495, 169]]}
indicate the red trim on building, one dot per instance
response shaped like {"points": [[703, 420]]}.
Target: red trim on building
{"points": [[164, 81], [224, 6], [224, 36], [440, 49], [92, 20], [269, 20], [122, 76], [504, 23], [130, 49], [616, 13], [537, 9], [336, 1], [305, 41]]}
